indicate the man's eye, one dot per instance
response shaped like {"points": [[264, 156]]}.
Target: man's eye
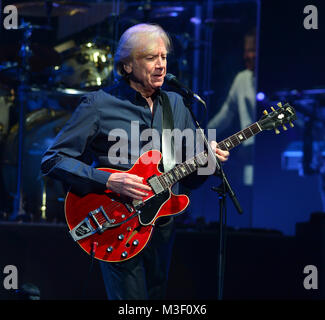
{"points": [[150, 57]]}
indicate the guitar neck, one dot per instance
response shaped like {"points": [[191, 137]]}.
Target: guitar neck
{"points": [[239, 137]]}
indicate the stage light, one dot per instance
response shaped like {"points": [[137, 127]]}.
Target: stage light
{"points": [[260, 96]]}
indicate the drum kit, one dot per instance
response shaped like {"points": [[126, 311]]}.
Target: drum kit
{"points": [[40, 86]]}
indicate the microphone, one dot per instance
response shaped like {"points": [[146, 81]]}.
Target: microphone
{"points": [[184, 91]]}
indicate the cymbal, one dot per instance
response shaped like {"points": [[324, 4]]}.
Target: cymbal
{"points": [[53, 91], [59, 8]]}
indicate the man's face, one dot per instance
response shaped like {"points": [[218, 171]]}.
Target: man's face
{"points": [[250, 52], [148, 66]]}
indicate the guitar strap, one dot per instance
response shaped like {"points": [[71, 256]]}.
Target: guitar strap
{"points": [[167, 140]]}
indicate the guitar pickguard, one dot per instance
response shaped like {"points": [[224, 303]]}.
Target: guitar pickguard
{"points": [[151, 207]]}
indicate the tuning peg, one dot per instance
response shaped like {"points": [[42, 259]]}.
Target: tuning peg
{"points": [[265, 112], [277, 131], [272, 109], [284, 127], [291, 124], [279, 104]]}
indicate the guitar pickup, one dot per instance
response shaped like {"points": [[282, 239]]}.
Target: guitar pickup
{"points": [[155, 184], [85, 229]]}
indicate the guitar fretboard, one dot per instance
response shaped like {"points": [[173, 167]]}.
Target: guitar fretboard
{"points": [[239, 137], [184, 169]]}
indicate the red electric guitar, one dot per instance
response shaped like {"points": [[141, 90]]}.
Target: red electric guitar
{"points": [[119, 227]]}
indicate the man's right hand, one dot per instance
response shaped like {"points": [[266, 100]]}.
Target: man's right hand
{"points": [[127, 184]]}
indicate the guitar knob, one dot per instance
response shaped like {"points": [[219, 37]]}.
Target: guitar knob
{"points": [[272, 109], [135, 242], [291, 124], [123, 216], [124, 254], [121, 237], [265, 112], [284, 127], [277, 131], [279, 104], [109, 249]]}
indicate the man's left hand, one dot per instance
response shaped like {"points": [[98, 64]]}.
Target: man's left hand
{"points": [[221, 154]]}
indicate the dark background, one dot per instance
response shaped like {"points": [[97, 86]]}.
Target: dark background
{"points": [[290, 55]]}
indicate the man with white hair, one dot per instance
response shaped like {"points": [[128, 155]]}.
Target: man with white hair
{"points": [[85, 141]]}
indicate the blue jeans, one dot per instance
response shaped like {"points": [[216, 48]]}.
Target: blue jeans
{"points": [[145, 276]]}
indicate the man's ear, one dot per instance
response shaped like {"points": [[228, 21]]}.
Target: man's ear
{"points": [[127, 67]]}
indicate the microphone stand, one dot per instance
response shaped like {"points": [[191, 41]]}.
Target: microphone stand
{"points": [[222, 191], [24, 53]]}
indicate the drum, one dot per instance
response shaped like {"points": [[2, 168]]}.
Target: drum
{"points": [[43, 198], [86, 66]]}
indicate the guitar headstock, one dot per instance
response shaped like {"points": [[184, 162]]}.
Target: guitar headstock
{"points": [[278, 117]]}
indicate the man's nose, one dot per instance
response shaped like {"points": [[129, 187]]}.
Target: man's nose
{"points": [[160, 62]]}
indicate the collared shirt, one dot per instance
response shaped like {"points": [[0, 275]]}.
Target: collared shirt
{"points": [[105, 120]]}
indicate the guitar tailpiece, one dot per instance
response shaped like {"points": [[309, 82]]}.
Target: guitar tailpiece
{"points": [[85, 229]]}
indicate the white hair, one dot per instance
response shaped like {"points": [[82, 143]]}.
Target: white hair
{"points": [[132, 40]]}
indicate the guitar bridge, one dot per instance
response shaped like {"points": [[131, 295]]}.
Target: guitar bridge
{"points": [[85, 229]]}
